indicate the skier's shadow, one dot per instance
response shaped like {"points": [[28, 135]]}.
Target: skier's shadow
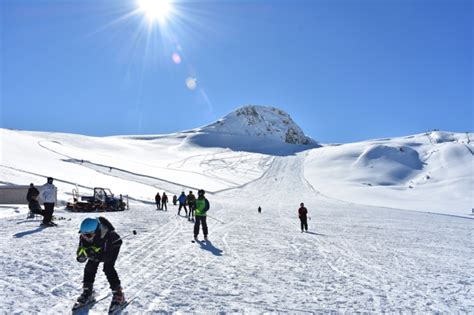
{"points": [[21, 234], [82, 311], [314, 233], [209, 247]]}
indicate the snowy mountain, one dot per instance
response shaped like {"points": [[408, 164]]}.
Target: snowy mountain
{"points": [[363, 253], [258, 129], [260, 121]]}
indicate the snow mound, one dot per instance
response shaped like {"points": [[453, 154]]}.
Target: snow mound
{"points": [[256, 129], [391, 164], [441, 137]]}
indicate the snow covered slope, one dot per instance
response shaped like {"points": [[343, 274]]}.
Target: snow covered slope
{"points": [[353, 259], [127, 166], [361, 254], [426, 172]]}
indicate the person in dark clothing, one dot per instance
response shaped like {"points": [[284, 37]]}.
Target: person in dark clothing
{"points": [[191, 200], [158, 200], [164, 202], [259, 209], [202, 206], [48, 195], [303, 215], [182, 203], [33, 204], [175, 200], [98, 242]]}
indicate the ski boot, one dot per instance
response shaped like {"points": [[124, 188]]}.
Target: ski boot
{"points": [[118, 300], [85, 298]]}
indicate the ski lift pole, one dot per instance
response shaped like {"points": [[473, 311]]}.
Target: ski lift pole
{"points": [[215, 219]]}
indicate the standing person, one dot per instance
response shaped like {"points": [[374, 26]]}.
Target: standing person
{"points": [[303, 215], [191, 200], [164, 202], [175, 200], [202, 206], [48, 195], [158, 200], [259, 209], [98, 242], [33, 204], [182, 203]]}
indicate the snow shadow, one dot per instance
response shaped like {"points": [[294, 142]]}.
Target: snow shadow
{"points": [[251, 144], [83, 310], [314, 233], [209, 247], [21, 234]]}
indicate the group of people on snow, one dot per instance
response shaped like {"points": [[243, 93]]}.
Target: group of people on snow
{"points": [[99, 243], [161, 201], [194, 208], [185, 202], [48, 195]]}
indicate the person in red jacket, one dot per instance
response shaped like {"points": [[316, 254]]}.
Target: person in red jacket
{"points": [[303, 215]]}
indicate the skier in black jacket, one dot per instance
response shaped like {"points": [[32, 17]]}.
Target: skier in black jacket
{"points": [[33, 204], [98, 243], [303, 215]]}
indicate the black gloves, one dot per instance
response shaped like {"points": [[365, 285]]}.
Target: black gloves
{"points": [[91, 252]]}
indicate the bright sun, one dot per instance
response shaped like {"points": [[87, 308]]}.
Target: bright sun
{"points": [[155, 10]]}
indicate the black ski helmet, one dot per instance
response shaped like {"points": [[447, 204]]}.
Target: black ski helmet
{"points": [[50, 180], [201, 192]]}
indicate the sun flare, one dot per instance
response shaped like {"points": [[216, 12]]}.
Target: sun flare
{"points": [[155, 10]]}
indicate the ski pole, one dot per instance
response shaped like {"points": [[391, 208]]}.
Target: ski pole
{"points": [[215, 219], [133, 233], [309, 218]]}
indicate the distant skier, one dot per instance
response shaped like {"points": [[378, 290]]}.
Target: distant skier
{"points": [[303, 215], [191, 200], [182, 203], [175, 200], [48, 195], [202, 206], [259, 209], [158, 201], [98, 242], [33, 204], [164, 202]]}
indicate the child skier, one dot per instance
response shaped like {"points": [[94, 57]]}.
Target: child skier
{"points": [[98, 242]]}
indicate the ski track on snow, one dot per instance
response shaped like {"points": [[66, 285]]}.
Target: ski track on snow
{"points": [[355, 259]]}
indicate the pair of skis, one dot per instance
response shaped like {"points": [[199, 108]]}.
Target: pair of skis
{"points": [[113, 309], [199, 241]]}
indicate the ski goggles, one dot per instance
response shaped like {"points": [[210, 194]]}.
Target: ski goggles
{"points": [[88, 236]]}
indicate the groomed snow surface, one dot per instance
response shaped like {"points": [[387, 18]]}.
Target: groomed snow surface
{"points": [[364, 252]]}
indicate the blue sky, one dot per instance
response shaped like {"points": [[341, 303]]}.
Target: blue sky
{"points": [[345, 70]]}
